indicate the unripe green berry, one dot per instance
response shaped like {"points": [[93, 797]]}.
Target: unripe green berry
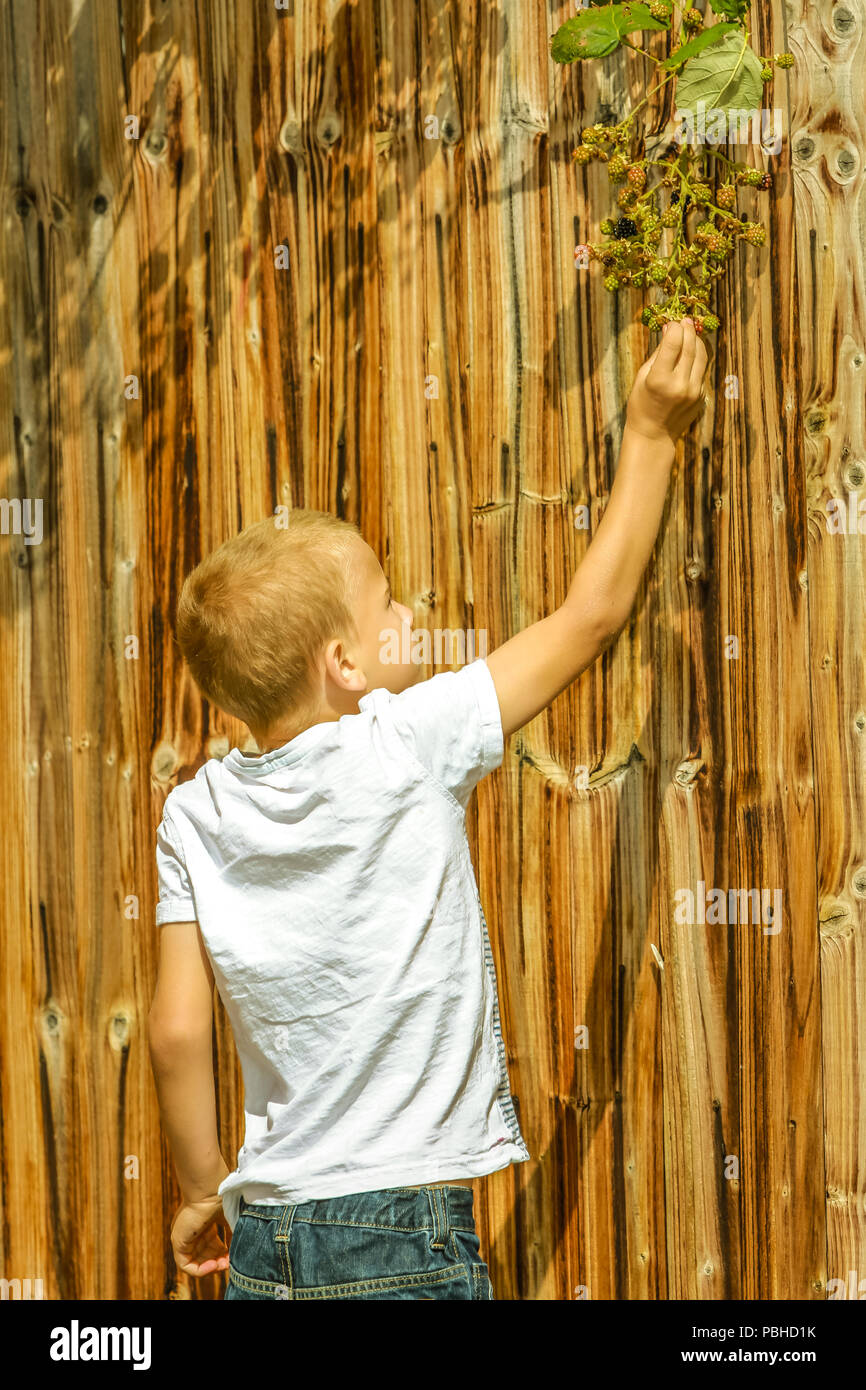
{"points": [[583, 154], [755, 234], [727, 196], [783, 60], [616, 168], [611, 282], [767, 74], [693, 19], [606, 227], [659, 11], [658, 272], [671, 218], [711, 322]]}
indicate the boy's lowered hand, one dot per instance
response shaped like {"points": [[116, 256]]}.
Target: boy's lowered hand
{"points": [[668, 390], [198, 1247]]}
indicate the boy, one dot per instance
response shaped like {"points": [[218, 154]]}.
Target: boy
{"points": [[326, 886]]}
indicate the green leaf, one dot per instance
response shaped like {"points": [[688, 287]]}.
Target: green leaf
{"points": [[634, 16], [697, 45], [590, 34], [731, 9], [725, 77], [596, 32]]}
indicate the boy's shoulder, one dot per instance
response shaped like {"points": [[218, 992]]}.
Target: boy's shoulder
{"points": [[195, 793]]}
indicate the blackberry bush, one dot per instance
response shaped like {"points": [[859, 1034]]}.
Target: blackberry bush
{"points": [[650, 238]]}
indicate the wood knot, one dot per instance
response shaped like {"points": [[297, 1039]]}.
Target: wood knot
{"points": [[118, 1030], [155, 143], [329, 131], [291, 139], [52, 1019], [834, 917], [687, 771], [451, 130], [843, 21], [164, 762]]}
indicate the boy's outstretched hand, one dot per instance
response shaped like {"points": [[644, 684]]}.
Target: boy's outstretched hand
{"points": [[198, 1247], [668, 390]]}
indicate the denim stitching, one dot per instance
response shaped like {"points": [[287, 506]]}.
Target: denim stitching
{"points": [[282, 1236], [396, 1281]]}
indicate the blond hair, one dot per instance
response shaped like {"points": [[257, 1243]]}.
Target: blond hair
{"points": [[254, 615]]}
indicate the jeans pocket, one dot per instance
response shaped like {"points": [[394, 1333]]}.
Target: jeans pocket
{"points": [[255, 1267], [482, 1289], [468, 1248]]}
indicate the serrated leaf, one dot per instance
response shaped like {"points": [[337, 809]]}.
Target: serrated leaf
{"points": [[697, 45], [725, 77], [731, 9], [590, 34], [596, 32]]}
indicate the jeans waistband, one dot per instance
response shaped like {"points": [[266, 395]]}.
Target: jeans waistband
{"points": [[420, 1209]]}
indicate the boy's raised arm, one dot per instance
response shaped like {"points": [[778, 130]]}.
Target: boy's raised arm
{"points": [[537, 664]]}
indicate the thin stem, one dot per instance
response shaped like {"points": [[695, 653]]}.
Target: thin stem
{"points": [[655, 89], [637, 49]]}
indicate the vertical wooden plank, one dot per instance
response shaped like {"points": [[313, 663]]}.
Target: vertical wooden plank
{"points": [[742, 1026], [610, 1126], [827, 145]]}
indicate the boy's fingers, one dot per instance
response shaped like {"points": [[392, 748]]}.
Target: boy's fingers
{"points": [[684, 366], [669, 348], [699, 366]]}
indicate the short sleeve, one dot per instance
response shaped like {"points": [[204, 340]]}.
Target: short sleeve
{"points": [[175, 891], [453, 725]]}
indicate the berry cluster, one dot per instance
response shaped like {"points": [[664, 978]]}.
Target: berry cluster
{"points": [[703, 182]]}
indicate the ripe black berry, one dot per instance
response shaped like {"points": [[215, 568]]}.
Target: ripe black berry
{"points": [[624, 227]]}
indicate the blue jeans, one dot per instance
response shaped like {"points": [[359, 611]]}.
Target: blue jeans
{"points": [[392, 1243]]}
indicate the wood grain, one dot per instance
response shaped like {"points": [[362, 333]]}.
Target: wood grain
{"points": [[430, 363]]}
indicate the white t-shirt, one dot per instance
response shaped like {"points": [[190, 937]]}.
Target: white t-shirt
{"points": [[334, 890]]}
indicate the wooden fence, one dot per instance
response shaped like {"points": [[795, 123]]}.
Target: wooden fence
{"points": [[423, 356]]}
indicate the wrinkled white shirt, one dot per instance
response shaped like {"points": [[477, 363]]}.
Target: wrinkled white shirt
{"points": [[334, 890]]}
